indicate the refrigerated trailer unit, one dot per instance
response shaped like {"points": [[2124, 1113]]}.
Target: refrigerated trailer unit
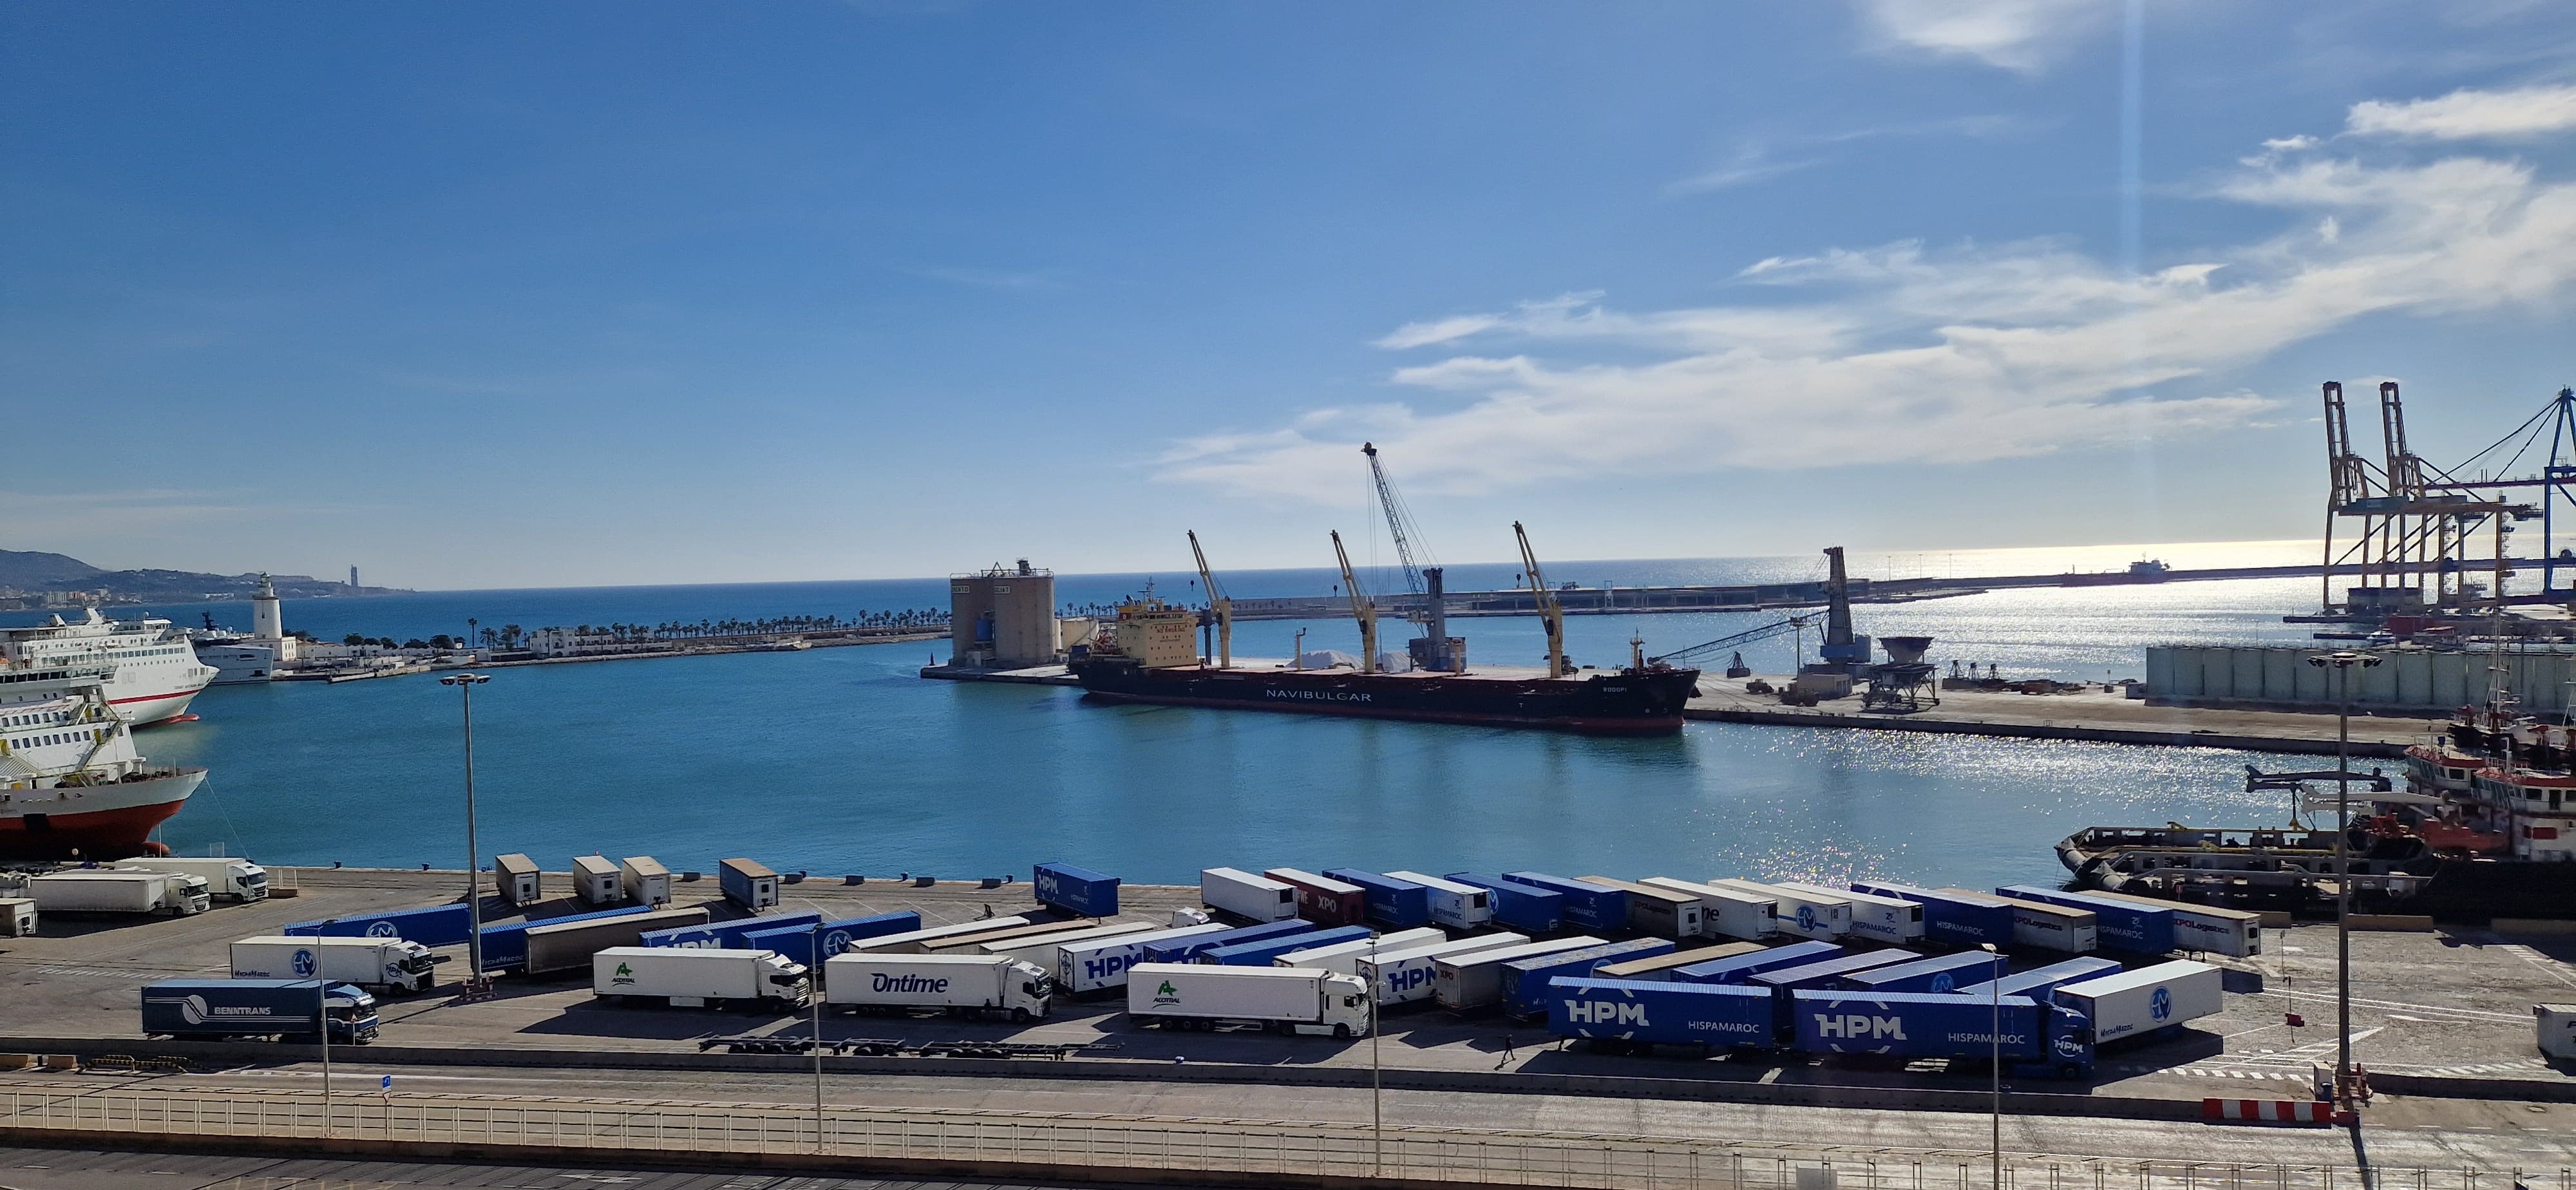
{"points": [[1726, 912], [1323, 900], [1393, 903], [1410, 976], [1085, 968], [1279, 999], [748, 883], [2148, 1000], [2211, 929], [1253, 898], [1584, 905], [1952, 918], [644, 880], [1343, 958], [521, 884], [1816, 916], [376, 964], [958, 984], [1473, 982], [125, 891], [1661, 912], [700, 977], [17, 917], [1894, 921], [1455, 905], [1524, 907], [1078, 891], [594, 880], [2041, 926], [2146, 929]]}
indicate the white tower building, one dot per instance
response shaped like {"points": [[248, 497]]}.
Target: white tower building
{"points": [[268, 622]]}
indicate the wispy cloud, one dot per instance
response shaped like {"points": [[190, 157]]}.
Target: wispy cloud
{"points": [[1907, 353], [1751, 164], [2016, 35], [1764, 159], [989, 278], [2468, 115]]}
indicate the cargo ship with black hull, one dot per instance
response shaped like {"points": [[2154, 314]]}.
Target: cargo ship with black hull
{"points": [[1150, 654]]}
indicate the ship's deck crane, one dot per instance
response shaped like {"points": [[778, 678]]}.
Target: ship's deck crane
{"points": [[1361, 609], [1218, 605], [1550, 612], [1746, 637], [1424, 581]]}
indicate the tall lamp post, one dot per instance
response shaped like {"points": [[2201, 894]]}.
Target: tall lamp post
{"points": [[475, 983], [1995, 1071], [2343, 663]]}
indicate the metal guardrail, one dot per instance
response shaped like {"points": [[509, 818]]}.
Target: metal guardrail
{"points": [[1101, 1144]]}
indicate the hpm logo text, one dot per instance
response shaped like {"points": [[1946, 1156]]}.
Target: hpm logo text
{"points": [[1605, 1012], [1860, 1026]]}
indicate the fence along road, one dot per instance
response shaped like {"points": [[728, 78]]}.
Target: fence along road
{"points": [[1105, 1146]]}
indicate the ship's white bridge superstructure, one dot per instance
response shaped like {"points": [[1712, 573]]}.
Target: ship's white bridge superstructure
{"points": [[71, 782], [154, 671]]}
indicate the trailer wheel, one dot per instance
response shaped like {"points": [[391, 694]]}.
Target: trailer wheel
{"points": [[1342, 1032]]}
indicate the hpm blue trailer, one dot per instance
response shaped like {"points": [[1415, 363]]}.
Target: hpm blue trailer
{"points": [[1395, 904]]}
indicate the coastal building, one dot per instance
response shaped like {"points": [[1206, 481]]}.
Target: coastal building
{"points": [[257, 657], [1004, 618]]}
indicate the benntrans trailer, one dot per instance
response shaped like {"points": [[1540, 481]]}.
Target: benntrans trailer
{"points": [[1519, 906], [1455, 905], [555, 947], [1078, 891], [1085, 968], [1952, 919], [958, 984], [1411, 975], [436, 925], [2122, 925], [1590, 907], [1662, 912], [1279, 999], [2037, 1038], [120, 892], [1634, 1016], [279, 1008], [2147, 1000], [699, 977], [1324, 900], [230, 879], [1395, 904], [1726, 912], [376, 964], [1253, 898]]}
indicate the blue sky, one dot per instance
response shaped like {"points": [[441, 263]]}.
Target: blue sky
{"points": [[479, 295]]}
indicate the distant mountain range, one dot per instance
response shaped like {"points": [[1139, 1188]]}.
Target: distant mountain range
{"points": [[31, 572]]}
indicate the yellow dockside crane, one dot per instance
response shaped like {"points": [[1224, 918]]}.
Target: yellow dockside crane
{"points": [[1361, 609], [1222, 607], [1550, 612]]}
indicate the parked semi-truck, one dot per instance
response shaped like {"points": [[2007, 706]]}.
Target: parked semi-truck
{"points": [[1323, 900], [919, 941], [1412, 976], [566, 943], [958, 984], [1078, 891], [1726, 912], [1594, 908], [1473, 982], [2035, 1037], [271, 1008], [1891, 920], [1626, 1016], [226, 878], [2148, 1000], [1815, 916], [1259, 952], [1279, 999], [2236, 933], [120, 891], [1524, 907], [1244, 895], [1455, 905], [1343, 958], [1525, 980], [1099, 965], [1391, 902], [699, 977], [376, 964]]}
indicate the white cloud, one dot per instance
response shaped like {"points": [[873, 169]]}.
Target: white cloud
{"points": [[2020, 35], [1906, 354], [2468, 115]]}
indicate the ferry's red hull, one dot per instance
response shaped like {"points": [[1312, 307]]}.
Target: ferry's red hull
{"points": [[112, 832]]}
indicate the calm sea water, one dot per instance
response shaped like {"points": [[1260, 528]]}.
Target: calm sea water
{"points": [[841, 761]]}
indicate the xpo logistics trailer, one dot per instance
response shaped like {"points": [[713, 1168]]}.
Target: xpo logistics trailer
{"points": [[1455, 905], [1411, 975], [699, 977], [1726, 912], [1395, 904], [1279, 999], [1661, 912], [1324, 900], [1099, 965], [958, 984], [376, 964], [1256, 899], [230, 879], [268, 1008]]}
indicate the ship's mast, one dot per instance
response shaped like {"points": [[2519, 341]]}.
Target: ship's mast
{"points": [[1361, 609], [1218, 605], [1550, 612]]}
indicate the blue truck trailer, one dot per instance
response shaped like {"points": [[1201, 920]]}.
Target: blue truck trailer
{"points": [[1634, 1016], [1259, 952], [1591, 908], [1826, 973], [1525, 981], [2033, 1038], [436, 925], [1950, 918], [1941, 973], [2119, 925], [1188, 949], [281, 1008], [2041, 983], [801, 943], [505, 947], [1742, 968], [724, 935], [1395, 904], [1078, 891], [1530, 910]]}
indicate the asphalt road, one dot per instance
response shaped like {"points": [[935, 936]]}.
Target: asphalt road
{"points": [[91, 1169]]}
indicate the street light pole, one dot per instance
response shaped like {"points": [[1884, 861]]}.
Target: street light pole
{"points": [[475, 984], [1995, 1073], [2343, 663], [1377, 1085]]}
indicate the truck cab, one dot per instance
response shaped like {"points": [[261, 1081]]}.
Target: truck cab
{"points": [[792, 980], [352, 1014], [409, 967]]}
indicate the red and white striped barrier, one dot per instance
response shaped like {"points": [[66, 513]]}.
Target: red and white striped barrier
{"points": [[2268, 1111]]}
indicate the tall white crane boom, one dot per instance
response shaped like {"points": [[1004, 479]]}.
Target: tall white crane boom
{"points": [[1361, 609]]}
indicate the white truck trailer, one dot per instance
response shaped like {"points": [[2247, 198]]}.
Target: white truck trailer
{"points": [[1726, 912], [1343, 958], [959, 984], [226, 878], [644, 880], [383, 965], [1891, 920], [1407, 976], [1253, 898], [1083, 968], [922, 940], [1457, 906], [1823, 917], [2147, 1000], [594, 880], [113, 891], [1472, 981], [700, 977], [1279, 999], [1040, 951], [17, 917]]}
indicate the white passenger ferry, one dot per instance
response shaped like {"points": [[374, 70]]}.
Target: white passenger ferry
{"points": [[71, 784], [156, 671]]}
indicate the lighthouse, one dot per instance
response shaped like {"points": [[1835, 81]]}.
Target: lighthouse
{"points": [[268, 621]]}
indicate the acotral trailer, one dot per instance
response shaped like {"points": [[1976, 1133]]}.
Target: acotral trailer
{"points": [[1279, 999], [700, 977]]}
